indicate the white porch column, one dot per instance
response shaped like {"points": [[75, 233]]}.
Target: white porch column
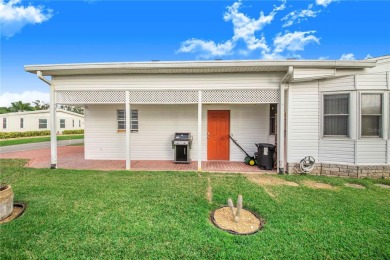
{"points": [[281, 109], [199, 131], [280, 144], [128, 130], [53, 129]]}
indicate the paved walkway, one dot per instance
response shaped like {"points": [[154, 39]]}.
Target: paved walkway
{"points": [[39, 145], [72, 157]]}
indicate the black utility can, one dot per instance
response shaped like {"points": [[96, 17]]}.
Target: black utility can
{"points": [[265, 156]]}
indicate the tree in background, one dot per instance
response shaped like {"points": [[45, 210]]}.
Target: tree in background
{"points": [[40, 105], [74, 109], [19, 106]]}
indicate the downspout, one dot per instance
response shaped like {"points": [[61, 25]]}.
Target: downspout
{"points": [[53, 132], [281, 109]]}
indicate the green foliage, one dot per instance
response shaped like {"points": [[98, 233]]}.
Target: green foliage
{"points": [[3, 110], [73, 132], [19, 106], [165, 215], [6, 135], [40, 105]]}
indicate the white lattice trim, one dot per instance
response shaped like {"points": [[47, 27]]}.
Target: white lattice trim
{"points": [[241, 96], [167, 97], [90, 97], [163, 97]]}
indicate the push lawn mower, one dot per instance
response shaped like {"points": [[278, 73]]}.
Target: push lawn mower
{"points": [[249, 160]]}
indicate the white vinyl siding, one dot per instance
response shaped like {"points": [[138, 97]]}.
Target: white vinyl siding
{"points": [[371, 151], [248, 124], [269, 80], [372, 81], [337, 151], [338, 84], [42, 123], [303, 121]]}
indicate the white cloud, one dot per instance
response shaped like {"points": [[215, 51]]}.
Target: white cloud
{"points": [[368, 57], [295, 41], [324, 3], [324, 58], [248, 31], [349, 56], [244, 29], [285, 46], [26, 96], [299, 16], [208, 48], [14, 16]]}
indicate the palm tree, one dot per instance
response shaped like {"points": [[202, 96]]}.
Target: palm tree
{"points": [[19, 106], [40, 105]]}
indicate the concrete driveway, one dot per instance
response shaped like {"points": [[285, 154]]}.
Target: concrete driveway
{"points": [[34, 146]]}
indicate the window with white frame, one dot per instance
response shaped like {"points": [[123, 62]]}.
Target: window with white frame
{"points": [[4, 123], [79, 123], [336, 115], [371, 114], [21, 122], [121, 117], [42, 123], [272, 118], [72, 122], [62, 123]]}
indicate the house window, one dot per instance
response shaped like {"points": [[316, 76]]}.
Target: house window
{"points": [[79, 123], [62, 123], [336, 115], [72, 122], [371, 112], [121, 116], [4, 123], [272, 118], [42, 123], [21, 123]]}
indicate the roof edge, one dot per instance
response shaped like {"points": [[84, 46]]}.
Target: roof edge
{"points": [[47, 68]]}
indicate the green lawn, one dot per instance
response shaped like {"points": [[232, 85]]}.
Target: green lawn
{"points": [[37, 139], [165, 215]]}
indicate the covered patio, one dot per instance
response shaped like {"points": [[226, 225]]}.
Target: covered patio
{"points": [[72, 157]]}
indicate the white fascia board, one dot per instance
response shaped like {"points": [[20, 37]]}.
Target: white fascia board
{"points": [[250, 64]]}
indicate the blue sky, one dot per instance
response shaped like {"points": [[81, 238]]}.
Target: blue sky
{"points": [[52, 32]]}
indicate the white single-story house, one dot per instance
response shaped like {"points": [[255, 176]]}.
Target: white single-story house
{"points": [[40, 120], [334, 110]]}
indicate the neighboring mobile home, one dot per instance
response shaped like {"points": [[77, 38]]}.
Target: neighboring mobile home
{"points": [[40, 120], [335, 111]]}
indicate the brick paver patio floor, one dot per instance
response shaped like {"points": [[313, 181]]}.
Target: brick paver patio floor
{"points": [[72, 157]]}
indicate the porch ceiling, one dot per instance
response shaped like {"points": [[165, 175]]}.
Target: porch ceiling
{"points": [[190, 67]]}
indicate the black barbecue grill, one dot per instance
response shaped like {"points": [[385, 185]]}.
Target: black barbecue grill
{"points": [[181, 144]]}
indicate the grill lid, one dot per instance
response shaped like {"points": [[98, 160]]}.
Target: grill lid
{"points": [[182, 136]]}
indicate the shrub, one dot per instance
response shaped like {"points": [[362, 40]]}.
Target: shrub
{"points": [[73, 132], [6, 135]]}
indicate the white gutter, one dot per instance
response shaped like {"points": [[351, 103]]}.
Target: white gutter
{"points": [[53, 131], [281, 137]]}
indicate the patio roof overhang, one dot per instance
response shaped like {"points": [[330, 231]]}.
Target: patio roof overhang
{"points": [[194, 67]]}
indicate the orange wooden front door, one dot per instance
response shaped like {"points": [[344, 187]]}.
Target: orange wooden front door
{"points": [[218, 128]]}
